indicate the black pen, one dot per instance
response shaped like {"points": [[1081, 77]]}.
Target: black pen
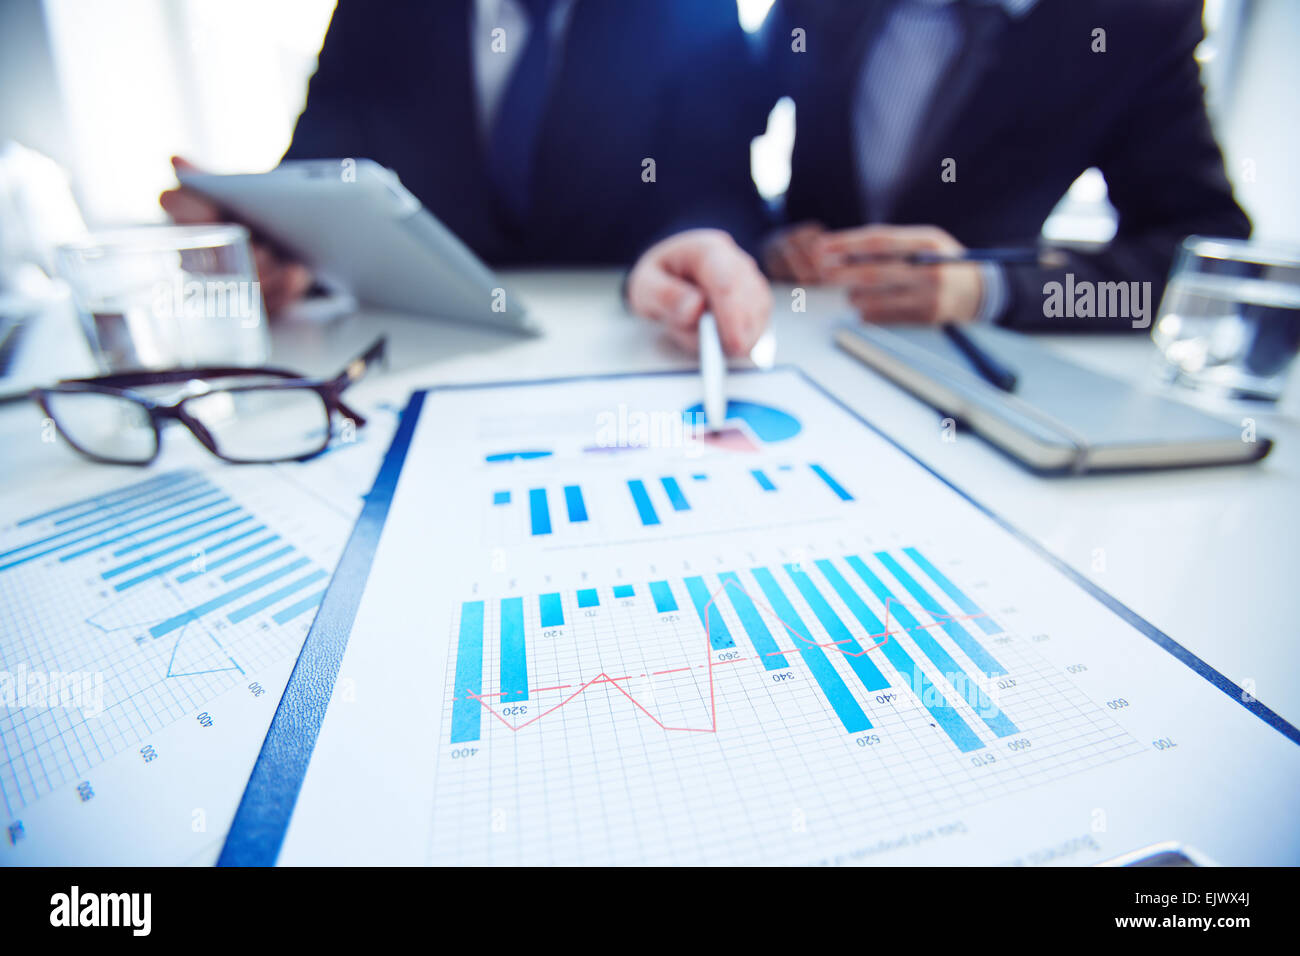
{"points": [[1009, 256], [990, 368]]}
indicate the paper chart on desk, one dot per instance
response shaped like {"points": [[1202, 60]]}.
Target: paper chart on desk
{"points": [[148, 627], [586, 639]]}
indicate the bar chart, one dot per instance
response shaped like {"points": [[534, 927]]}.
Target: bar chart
{"points": [[660, 501], [786, 642], [164, 593], [881, 680], [856, 626]]}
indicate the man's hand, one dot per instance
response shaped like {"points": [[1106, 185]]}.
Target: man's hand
{"points": [[282, 280], [790, 255], [884, 288], [702, 270]]}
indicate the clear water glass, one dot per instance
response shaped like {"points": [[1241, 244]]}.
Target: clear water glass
{"points": [[1229, 320], [154, 297]]}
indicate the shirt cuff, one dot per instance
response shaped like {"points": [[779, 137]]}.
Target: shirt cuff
{"points": [[995, 297]]}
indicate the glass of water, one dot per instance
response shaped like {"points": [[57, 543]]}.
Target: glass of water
{"points": [[1230, 316], [154, 297]]}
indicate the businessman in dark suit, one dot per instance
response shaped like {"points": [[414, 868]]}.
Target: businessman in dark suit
{"points": [[944, 124], [558, 131]]}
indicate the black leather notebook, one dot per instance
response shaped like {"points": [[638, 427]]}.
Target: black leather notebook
{"points": [[1062, 418]]}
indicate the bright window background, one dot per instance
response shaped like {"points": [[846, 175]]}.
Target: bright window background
{"points": [[218, 81]]}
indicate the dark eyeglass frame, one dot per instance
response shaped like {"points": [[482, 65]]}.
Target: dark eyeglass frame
{"points": [[122, 385]]}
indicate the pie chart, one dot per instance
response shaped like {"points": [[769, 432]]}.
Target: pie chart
{"points": [[767, 423]]}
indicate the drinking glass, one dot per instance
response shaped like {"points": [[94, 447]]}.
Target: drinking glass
{"points": [[1230, 316], [153, 297]]}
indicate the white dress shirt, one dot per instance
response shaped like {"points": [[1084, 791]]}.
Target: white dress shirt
{"points": [[492, 66]]}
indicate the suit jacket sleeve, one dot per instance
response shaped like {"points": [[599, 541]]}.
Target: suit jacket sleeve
{"points": [[711, 110], [1165, 175], [332, 124]]}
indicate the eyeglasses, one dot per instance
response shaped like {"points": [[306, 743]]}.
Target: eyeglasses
{"points": [[241, 415]]}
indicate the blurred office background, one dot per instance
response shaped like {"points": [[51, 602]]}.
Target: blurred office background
{"points": [[110, 91]]}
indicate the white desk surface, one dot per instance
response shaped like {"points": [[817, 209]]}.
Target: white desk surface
{"points": [[1210, 556]]}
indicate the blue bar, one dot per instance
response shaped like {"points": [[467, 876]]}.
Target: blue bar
{"points": [[208, 493], [973, 648], [180, 484], [931, 699], [152, 573], [700, 477], [675, 496], [541, 511], [624, 591], [194, 613], [501, 497], [154, 504], [150, 491], [134, 531], [573, 501], [587, 597], [256, 563], [465, 707], [837, 692], [111, 499], [171, 565], [642, 498], [130, 565], [986, 623], [866, 669], [768, 650], [94, 534], [663, 595], [552, 610], [293, 610], [764, 482], [234, 555], [157, 524], [948, 668], [514, 659], [248, 610], [834, 485], [719, 636], [170, 532]]}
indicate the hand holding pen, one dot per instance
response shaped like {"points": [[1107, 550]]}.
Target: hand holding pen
{"points": [[884, 269], [678, 280]]}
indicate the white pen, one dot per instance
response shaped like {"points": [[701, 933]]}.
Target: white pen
{"points": [[713, 369]]}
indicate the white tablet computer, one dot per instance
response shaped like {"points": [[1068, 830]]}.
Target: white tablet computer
{"points": [[360, 230]]}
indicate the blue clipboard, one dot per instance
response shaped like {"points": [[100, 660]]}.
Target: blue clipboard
{"points": [[262, 820]]}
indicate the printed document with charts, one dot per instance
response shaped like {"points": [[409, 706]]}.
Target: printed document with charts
{"points": [[590, 634], [149, 620]]}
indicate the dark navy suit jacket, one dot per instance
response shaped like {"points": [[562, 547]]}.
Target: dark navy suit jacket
{"points": [[668, 80], [1023, 111]]}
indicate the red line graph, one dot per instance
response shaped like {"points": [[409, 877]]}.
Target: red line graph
{"points": [[801, 642]]}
